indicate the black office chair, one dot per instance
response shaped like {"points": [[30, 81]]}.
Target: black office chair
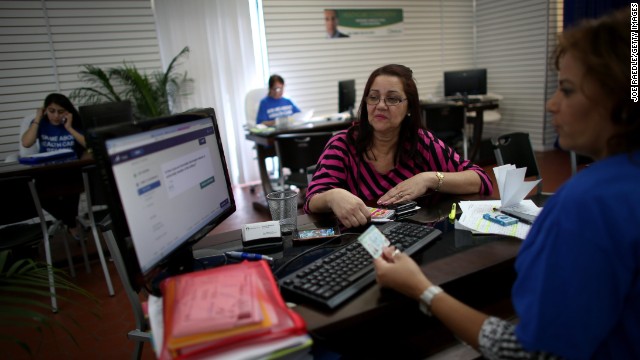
{"points": [[448, 123], [516, 149], [298, 152]]}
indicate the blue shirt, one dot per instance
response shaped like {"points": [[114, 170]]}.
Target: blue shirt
{"points": [[577, 293], [271, 109], [55, 137]]}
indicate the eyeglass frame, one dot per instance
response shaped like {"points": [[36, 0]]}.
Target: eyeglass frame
{"points": [[380, 98]]}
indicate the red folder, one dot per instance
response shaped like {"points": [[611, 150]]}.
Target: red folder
{"points": [[222, 309]]}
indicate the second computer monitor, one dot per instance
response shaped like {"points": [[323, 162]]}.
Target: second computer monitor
{"points": [[465, 82], [346, 95]]}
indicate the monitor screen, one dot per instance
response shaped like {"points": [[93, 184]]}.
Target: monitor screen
{"points": [[465, 82], [168, 182], [97, 115], [346, 95]]}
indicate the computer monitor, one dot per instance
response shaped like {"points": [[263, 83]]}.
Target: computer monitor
{"points": [[169, 186], [346, 96], [465, 82], [97, 115]]}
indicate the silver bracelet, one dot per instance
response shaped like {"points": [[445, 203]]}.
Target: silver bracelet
{"points": [[427, 297]]}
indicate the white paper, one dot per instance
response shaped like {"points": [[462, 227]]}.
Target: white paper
{"points": [[156, 322], [472, 220], [511, 184]]}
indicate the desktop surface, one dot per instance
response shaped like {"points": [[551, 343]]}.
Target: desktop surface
{"points": [[457, 261]]}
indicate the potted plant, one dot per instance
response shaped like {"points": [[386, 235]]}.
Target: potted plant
{"points": [[25, 298], [151, 95]]}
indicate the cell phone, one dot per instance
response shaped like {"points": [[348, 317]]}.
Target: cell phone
{"points": [[402, 206], [312, 235]]}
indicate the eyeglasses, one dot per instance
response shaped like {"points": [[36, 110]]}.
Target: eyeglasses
{"points": [[277, 89], [390, 101]]}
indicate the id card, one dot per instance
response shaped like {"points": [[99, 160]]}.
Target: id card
{"points": [[373, 241]]}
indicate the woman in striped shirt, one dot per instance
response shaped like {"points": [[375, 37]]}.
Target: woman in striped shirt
{"points": [[387, 156]]}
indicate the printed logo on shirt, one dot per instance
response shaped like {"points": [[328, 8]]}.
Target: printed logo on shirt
{"points": [[53, 143], [280, 111]]}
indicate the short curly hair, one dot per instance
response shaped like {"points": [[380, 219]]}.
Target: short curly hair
{"points": [[603, 47]]}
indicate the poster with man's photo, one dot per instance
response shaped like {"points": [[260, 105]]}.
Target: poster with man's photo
{"points": [[345, 23]]}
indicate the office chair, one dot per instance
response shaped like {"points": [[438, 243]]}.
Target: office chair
{"points": [[252, 103], [516, 149], [141, 333], [24, 151], [26, 225], [298, 152], [448, 123], [96, 201]]}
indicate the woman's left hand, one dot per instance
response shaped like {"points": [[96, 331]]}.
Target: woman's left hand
{"points": [[409, 189]]}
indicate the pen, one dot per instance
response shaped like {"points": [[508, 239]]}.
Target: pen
{"points": [[247, 256], [452, 214], [520, 218]]}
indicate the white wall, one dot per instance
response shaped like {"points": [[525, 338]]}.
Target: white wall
{"points": [[508, 38], [43, 45]]}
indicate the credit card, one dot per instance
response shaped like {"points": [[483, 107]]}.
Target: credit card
{"points": [[373, 241]]}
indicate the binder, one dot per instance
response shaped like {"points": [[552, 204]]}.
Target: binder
{"points": [[226, 309]]}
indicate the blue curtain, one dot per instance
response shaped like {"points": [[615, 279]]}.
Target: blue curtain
{"points": [[576, 10]]}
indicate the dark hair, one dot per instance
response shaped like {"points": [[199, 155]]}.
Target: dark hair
{"points": [[362, 131], [65, 103], [602, 46], [275, 78]]}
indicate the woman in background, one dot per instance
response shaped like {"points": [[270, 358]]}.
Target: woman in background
{"points": [[386, 156], [577, 292], [275, 105], [57, 126]]}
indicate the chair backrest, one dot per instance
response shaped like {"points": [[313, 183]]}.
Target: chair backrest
{"points": [[299, 151], [252, 103], [516, 149], [444, 118], [447, 122]]}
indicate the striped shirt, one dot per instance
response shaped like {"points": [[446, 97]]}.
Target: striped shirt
{"points": [[340, 167]]}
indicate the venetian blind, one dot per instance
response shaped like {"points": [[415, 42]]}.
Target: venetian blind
{"points": [[43, 45]]}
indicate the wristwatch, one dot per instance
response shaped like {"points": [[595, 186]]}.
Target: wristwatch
{"points": [[440, 180], [427, 297]]}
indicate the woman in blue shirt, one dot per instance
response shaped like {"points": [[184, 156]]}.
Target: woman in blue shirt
{"points": [[274, 105], [577, 292], [57, 126]]}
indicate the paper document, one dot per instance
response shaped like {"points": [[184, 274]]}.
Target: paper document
{"points": [[472, 219], [511, 184]]}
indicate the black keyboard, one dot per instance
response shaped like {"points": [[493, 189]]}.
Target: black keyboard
{"points": [[330, 281]]}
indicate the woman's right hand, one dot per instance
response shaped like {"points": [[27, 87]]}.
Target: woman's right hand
{"points": [[350, 210], [39, 114]]}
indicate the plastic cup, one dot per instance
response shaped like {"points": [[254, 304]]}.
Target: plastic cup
{"points": [[283, 206]]}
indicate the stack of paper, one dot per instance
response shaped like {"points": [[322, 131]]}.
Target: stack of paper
{"points": [[513, 189], [234, 311], [511, 184]]}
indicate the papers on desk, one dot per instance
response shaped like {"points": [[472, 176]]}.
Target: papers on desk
{"points": [[472, 218], [513, 189], [47, 156], [234, 312]]}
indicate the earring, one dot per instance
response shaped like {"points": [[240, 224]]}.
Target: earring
{"points": [[408, 114]]}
